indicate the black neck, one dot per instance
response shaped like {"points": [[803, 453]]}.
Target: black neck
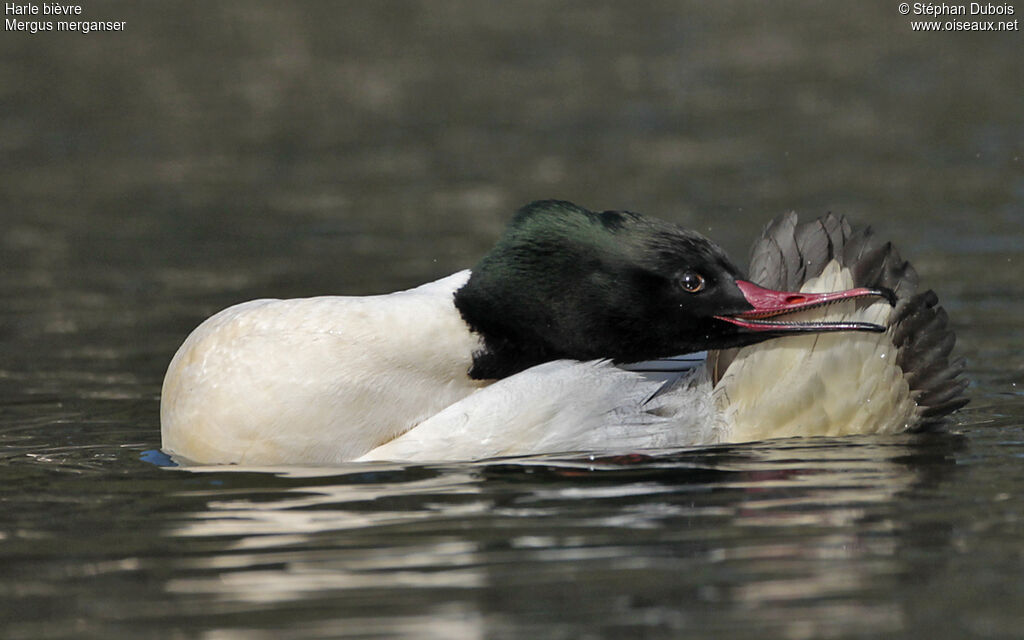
{"points": [[505, 352]]}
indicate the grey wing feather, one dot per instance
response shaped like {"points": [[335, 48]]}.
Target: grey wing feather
{"points": [[787, 254], [669, 371]]}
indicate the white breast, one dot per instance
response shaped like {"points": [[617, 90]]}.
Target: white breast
{"points": [[826, 384], [319, 380]]}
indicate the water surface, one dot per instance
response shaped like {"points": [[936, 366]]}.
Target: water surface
{"points": [[220, 151]]}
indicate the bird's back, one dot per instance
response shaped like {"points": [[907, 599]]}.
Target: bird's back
{"points": [[317, 379]]}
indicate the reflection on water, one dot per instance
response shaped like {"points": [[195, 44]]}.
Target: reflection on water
{"points": [[802, 538], [221, 151]]}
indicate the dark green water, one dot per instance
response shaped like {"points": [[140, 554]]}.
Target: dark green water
{"points": [[219, 151]]}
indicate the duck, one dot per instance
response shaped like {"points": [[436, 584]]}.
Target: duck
{"points": [[579, 331]]}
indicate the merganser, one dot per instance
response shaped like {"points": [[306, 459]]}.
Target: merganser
{"points": [[566, 337]]}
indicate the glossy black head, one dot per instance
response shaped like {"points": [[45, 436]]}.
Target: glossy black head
{"points": [[565, 282]]}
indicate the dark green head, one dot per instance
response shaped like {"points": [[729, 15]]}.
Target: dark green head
{"points": [[565, 282]]}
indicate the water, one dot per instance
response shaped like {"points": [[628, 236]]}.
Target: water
{"points": [[220, 151]]}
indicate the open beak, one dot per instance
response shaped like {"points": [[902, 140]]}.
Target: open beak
{"points": [[768, 304]]}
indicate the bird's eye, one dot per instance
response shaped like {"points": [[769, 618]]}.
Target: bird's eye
{"points": [[692, 282]]}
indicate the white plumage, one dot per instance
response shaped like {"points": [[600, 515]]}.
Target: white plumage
{"points": [[829, 384], [331, 379], [315, 379], [325, 370]]}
